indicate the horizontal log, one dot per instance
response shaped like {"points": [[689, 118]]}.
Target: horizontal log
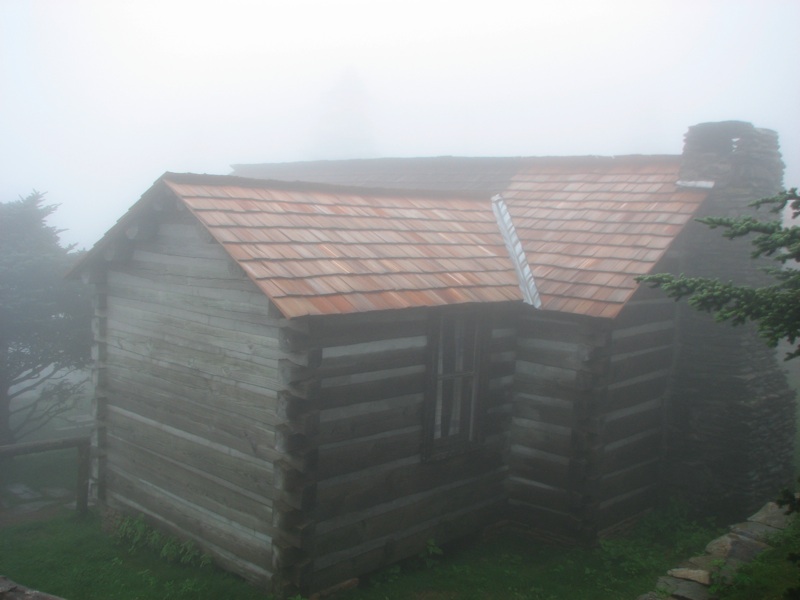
{"points": [[390, 549], [557, 374], [183, 244], [555, 382], [375, 360], [356, 328], [402, 478], [211, 423], [364, 453], [633, 421], [631, 392], [500, 367], [631, 451], [240, 469], [553, 411], [245, 305], [125, 320], [191, 252], [244, 552], [394, 517], [215, 360], [556, 353], [22, 448], [552, 524], [630, 480], [182, 227], [164, 384], [657, 310], [334, 355], [542, 496], [643, 337], [201, 321], [563, 327], [552, 439], [176, 277], [623, 509], [390, 387], [149, 264], [126, 363], [142, 230], [502, 341], [404, 412], [217, 496], [372, 376], [540, 468], [633, 365]]}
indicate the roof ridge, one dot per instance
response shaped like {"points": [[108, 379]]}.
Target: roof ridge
{"points": [[313, 186]]}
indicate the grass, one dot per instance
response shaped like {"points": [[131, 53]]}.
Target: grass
{"points": [[514, 567], [73, 558]]}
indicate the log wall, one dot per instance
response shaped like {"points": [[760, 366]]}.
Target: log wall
{"points": [[561, 372], [373, 500], [188, 365], [587, 428], [631, 411]]}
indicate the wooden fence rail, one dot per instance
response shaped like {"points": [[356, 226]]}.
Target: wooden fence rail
{"points": [[81, 443]]}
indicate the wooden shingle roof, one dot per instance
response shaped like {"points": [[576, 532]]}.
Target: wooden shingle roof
{"points": [[321, 251], [588, 227], [588, 224]]}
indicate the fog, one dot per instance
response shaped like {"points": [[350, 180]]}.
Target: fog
{"points": [[99, 98]]}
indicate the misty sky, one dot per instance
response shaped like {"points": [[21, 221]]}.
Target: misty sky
{"points": [[99, 98]]}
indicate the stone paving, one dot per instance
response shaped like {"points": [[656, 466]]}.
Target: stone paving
{"points": [[692, 579], [13, 591]]}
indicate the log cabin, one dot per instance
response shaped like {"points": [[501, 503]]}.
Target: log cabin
{"points": [[311, 369]]}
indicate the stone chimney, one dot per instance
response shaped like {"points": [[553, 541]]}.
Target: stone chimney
{"points": [[731, 414]]}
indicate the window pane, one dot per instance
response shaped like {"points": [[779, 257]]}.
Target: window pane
{"points": [[444, 408], [454, 398]]}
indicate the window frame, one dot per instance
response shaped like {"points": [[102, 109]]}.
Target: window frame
{"points": [[448, 376]]}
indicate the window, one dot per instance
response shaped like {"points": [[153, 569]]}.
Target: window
{"points": [[453, 396]]}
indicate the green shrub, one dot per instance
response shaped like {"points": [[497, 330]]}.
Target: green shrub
{"points": [[136, 534]]}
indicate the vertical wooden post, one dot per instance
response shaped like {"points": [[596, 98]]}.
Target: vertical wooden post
{"points": [[295, 471], [84, 466]]}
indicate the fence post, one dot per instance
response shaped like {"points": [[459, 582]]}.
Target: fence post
{"points": [[84, 460], [83, 445]]}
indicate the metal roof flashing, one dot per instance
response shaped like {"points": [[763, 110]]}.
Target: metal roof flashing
{"points": [[516, 252], [703, 185]]}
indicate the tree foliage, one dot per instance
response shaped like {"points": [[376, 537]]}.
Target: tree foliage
{"points": [[774, 308], [44, 320]]}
